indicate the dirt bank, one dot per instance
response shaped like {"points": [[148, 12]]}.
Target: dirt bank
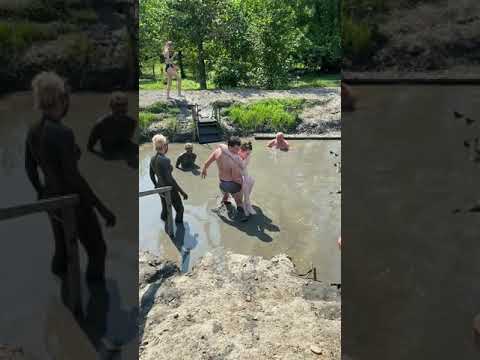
{"points": [[439, 39], [236, 307]]}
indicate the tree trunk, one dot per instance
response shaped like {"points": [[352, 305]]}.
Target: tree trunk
{"points": [[180, 63], [202, 75], [153, 71]]}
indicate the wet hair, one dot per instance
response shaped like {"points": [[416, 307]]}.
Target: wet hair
{"points": [[247, 146], [118, 98], [234, 141], [49, 89], [188, 146], [279, 135], [159, 141]]}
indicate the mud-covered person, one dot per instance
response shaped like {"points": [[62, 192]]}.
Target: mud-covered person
{"points": [[114, 131], [51, 149], [229, 174], [161, 175], [186, 160]]}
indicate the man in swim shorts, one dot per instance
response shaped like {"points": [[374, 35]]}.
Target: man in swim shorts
{"points": [[229, 174]]}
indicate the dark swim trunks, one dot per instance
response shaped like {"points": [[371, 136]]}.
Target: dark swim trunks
{"points": [[230, 187], [168, 66]]}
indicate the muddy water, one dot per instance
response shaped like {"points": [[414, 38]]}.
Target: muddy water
{"points": [[29, 291], [410, 266], [295, 195]]}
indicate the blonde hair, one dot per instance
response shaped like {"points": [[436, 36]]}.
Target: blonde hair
{"points": [[49, 90], [118, 98], [188, 146], [279, 135], [165, 47], [159, 141]]}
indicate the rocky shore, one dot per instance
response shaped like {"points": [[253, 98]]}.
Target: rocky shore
{"points": [[234, 306]]}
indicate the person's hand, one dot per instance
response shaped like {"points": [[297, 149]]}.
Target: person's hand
{"points": [[185, 196], [204, 173], [109, 217]]}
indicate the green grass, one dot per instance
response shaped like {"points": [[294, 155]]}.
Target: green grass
{"points": [[146, 119], [19, 34], [188, 84], [158, 111], [315, 81], [83, 16], [266, 115]]}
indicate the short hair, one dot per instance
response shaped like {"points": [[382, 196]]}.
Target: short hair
{"points": [[118, 98], [234, 141], [188, 146], [159, 141], [247, 146], [48, 90], [279, 134]]}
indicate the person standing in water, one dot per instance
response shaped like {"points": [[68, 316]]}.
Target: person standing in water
{"points": [[51, 148], [248, 180], [279, 142], [161, 175], [171, 68], [114, 131], [186, 161], [229, 173]]}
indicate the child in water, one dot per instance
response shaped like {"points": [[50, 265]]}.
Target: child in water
{"points": [[242, 160], [279, 142], [186, 161]]}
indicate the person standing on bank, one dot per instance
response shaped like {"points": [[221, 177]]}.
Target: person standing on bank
{"points": [[171, 68], [161, 175], [51, 148]]}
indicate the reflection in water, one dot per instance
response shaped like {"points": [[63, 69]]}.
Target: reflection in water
{"points": [[295, 196]]}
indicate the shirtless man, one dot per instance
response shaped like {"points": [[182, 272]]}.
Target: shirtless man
{"points": [[229, 174]]}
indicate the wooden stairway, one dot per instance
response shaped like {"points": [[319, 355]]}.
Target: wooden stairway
{"points": [[207, 131]]}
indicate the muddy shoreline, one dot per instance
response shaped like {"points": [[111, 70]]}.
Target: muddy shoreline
{"points": [[237, 307]]}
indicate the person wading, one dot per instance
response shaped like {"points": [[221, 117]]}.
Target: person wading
{"points": [[51, 148], [161, 175], [229, 173]]}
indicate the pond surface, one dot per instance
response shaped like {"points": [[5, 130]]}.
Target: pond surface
{"points": [[29, 291], [295, 196], [410, 262]]}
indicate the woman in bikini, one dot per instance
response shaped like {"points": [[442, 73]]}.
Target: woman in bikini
{"points": [[248, 181], [171, 68]]}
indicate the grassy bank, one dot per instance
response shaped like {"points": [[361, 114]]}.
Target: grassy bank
{"points": [[266, 115], [157, 81]]}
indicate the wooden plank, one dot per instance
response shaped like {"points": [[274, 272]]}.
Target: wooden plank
{"points": [[74, 294], [168, 200], [298, 137], [39, 206], [160, 190]]}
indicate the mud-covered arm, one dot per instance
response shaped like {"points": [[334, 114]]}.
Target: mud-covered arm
{"points": [[179, 160], [152, 176], [31, 167], [271, 143], [94, 136], [74, 179]]}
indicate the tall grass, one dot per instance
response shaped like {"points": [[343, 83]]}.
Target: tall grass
{"points": [[266, 115]]}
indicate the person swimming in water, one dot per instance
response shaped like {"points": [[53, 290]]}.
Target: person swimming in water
{"points": [[279, 142], [248, 181], [186, 160]]}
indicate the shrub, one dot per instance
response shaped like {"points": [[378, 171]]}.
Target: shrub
{"points": [[146, 119]]}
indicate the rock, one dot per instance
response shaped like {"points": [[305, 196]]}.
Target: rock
{"points": [[316, 349]]}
